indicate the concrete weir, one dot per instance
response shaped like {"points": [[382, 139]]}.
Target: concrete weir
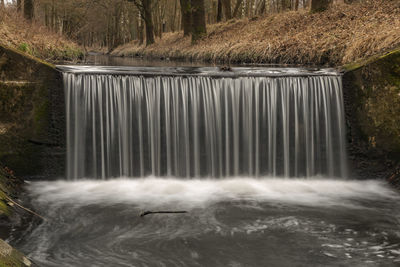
{"points": [[31, 115], [372, 104]]}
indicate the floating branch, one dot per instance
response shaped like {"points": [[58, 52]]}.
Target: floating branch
{"points": [[144, 213], [26, 209]]}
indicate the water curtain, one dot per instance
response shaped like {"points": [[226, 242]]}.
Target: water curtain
{"points": [[199, 126]]}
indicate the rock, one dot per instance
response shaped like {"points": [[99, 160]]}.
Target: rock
{"points": [[11, 257]]}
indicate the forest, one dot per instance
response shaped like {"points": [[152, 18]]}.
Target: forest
{"points": [[110, 23], [318, 32]]}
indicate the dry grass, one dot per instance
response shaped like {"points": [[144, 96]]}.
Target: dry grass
{"points": [[341, 35], [35, 39]]}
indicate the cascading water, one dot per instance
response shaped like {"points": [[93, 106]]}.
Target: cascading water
{"points": [[196, 126], [162, 124]]}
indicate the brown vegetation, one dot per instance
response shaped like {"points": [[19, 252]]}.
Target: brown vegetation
{"points": [[337, 36], [34, 39]]}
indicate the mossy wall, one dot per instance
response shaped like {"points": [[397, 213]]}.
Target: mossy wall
{"points": [[372, 98], [31, 115]]}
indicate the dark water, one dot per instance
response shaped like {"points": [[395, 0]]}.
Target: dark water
{"points": [[233, 222], [106, 60]]}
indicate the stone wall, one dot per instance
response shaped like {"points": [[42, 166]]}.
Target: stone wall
{"points": [[372, 100], [32, 116]]}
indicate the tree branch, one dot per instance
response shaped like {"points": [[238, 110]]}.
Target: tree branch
{"points": [[144, 213]]}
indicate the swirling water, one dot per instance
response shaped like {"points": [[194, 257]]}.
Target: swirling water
{"points": [[230, 222]]}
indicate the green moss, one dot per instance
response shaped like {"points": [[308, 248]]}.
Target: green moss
{"points": [[73, 53], [359, 64], [352, 66], [67, 53], [4, 208], [41, 114], [375, 88], [10, 257], [29, 56], [24, 47]]}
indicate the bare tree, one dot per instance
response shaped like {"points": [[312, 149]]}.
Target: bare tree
{"points": [[28, 9], [219, 10], [145, 6], [226, 4], [19, 5], [198, 20], [237, 6], [109, 23], [186, 12]]}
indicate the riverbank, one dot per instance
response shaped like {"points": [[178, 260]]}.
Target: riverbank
{"points": [[35, 39], [341, 35]]}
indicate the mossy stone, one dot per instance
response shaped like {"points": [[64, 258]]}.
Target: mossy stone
{"points": [[31, 108], [372, 96]]}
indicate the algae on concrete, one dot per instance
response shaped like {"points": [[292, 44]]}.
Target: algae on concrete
{"points": [[372, 100], [31, 109]]}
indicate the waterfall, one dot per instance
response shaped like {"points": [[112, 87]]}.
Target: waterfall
{"points": [[204, 126]]}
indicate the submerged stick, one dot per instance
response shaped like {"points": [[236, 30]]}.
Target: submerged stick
{"points": [[144, 213], [26, 209]]}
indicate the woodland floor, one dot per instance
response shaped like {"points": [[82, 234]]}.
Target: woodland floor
{"points": [[35, 39], [343, 34]]}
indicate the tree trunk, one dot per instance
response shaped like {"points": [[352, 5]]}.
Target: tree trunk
{"points": [[28, 9], [46, 16], [53, 16], [148, 20], [263, 6], [319, 5], [198, 20], [19, 5], [227, 9], [140, 31], [174, 17], [296, 5], [237, 6], [186, 13], [219, 11], [286, 4], [117, 27], [144, 7]]}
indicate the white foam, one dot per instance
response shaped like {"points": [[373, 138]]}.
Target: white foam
{"points": [[194, 193]]}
